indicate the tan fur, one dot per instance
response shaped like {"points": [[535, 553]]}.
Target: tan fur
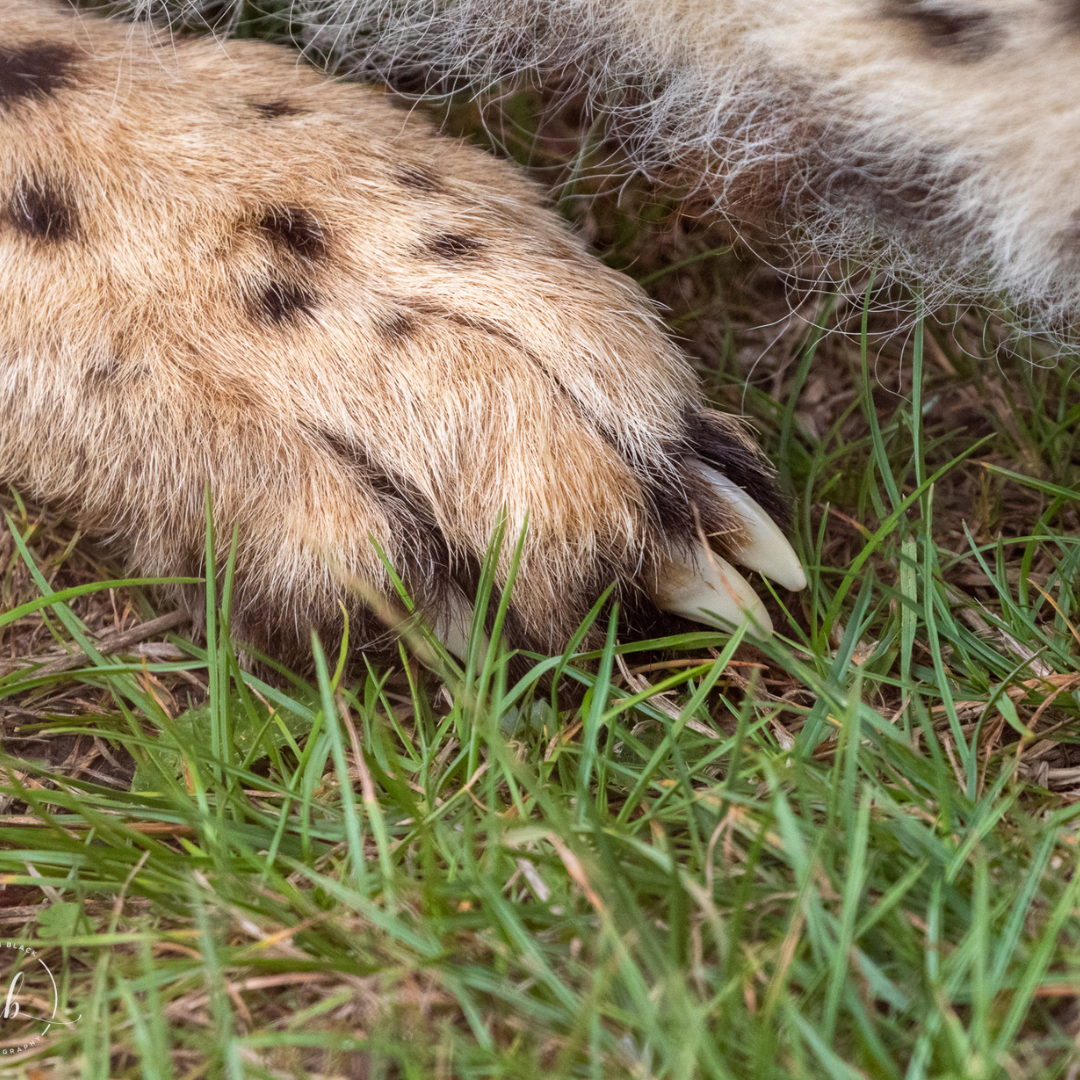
{"points": [[218, 268]]}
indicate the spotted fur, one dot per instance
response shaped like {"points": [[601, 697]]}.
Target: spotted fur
{"points": [[220, 270]]}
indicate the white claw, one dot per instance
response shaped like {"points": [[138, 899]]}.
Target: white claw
{"points": [[709, 590], [767, 550], [453, 625]]}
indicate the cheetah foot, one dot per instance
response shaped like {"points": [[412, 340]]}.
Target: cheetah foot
{"points": [[236, 275]]}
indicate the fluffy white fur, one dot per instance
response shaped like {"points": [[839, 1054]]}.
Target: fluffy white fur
{"points": [[933, 138]]}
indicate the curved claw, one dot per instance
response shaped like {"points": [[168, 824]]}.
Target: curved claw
{"points": [[709, 590], [453, 625], [767, 550]]}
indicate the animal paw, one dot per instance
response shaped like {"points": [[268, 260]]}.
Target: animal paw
{"points": [[218, 270]]}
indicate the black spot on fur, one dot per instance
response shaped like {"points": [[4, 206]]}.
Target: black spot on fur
{"points": [[295, 230], [102, 371], [967, 34], [105, 373], [454, 246], [1070, 13], [714, 443], [281, 302], [34, 71], [483, 326], [417, 178], [41, 211], [396, 327], [273, 109]]}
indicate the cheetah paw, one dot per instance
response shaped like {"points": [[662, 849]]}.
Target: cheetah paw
{"points": [[240, 276]]}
